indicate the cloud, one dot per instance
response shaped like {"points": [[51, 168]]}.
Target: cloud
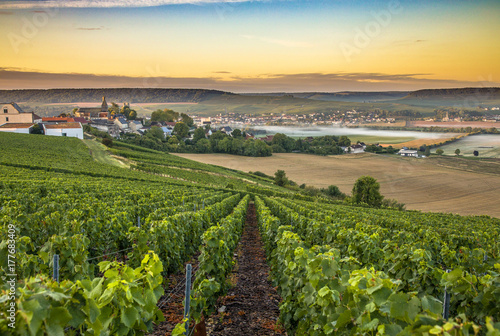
{"points": [[16, 78], [6, 13], [406, 43], [284, 43], [221, 72], [104, 3], [90, 28]]}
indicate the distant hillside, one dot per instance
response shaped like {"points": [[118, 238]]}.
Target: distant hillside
{"points": [[132, 95], [355, 97], [480, 93]]}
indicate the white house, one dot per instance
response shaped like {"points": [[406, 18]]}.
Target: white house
{"points": [[408, 152], [358, 148], [65, 129], [135, 125], [121, 122], [24, 128]]}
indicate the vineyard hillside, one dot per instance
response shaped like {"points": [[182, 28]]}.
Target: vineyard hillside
{"points": [[95, 240]]}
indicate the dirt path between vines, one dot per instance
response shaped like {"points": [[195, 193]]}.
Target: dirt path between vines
{"points": [[251, 305]]}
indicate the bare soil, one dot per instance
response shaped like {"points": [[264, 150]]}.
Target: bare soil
{"points": [[422, 184], [251, 306]]}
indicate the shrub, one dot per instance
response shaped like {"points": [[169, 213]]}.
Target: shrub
{"points": [[107, 142]]}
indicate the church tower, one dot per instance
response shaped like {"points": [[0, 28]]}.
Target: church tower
{"points": [[104, 106]]}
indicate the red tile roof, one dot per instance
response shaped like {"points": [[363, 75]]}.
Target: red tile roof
{"points": [[60, 119]]}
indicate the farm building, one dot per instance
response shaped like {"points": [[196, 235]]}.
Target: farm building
{"points": [[408, 152], [17, 127], [69, 129], [12, 113]]}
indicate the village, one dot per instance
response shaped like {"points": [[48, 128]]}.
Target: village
{"points": [[117, 123]]}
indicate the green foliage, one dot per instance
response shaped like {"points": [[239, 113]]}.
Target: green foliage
{"points": [[457, 152], [181, 130], [216, 260], [280, 178], [328, 291], [107, 142], [367, 190], [333, 191], [121, 302], [155, 132], [187, 119], [164, 116], [439, 151], [199, 134], [427, 151], [129, 113]]}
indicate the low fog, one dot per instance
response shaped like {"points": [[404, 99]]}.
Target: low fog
{"points": [[314, 131]]}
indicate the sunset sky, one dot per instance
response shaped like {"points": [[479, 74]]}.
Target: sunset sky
{"points": [[250, 46]]}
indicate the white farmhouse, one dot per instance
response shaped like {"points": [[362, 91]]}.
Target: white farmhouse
{"points": [[71, 129], [408, 152], [24, 128]]}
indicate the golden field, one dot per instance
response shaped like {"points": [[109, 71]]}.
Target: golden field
{"points": [[422, 184]]}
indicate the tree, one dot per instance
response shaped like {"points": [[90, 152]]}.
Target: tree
{"points": [[132, 115], [236, 133], [476, 153], [173, 140], [283, 141], [367, 190], [344, 141], [203, 146], [439, 151], [280, 178], [457, 151], [333, 191], [187, 119], [164, 116], [427, 151], [181, 130], [199, 134], [114, 109], [156, 133]]}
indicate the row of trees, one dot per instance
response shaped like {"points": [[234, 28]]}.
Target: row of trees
{"points": [[324, 145], [218, 142]]}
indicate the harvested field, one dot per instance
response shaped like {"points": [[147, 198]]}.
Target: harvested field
{"points": [[422, 184]]}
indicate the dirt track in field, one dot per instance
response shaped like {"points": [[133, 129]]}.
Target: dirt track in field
{"points": [[422, 184]]}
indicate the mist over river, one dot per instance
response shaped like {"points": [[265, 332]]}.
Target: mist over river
{"points": [[315, 131]]}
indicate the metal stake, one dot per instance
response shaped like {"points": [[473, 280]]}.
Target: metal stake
{"points": [[188, 296]]}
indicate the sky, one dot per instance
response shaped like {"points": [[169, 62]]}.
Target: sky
{"points": [[250, 46]]}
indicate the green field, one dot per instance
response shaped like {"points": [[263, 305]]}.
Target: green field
{"points": [[488, 146]]}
